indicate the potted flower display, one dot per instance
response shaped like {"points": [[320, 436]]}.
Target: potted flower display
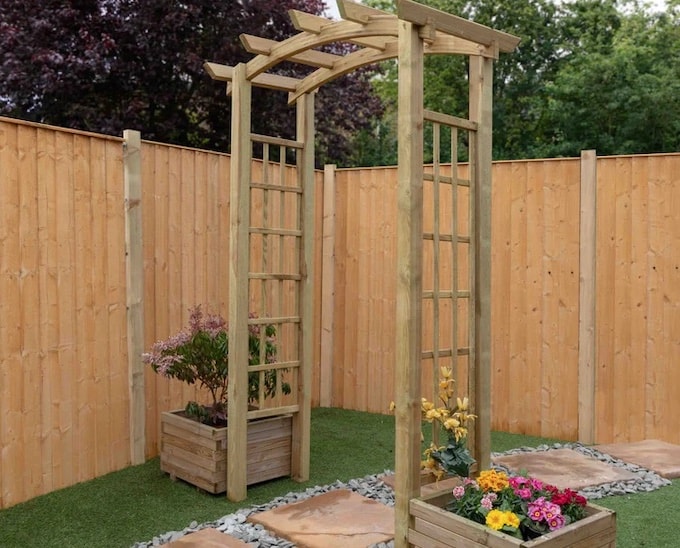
{"points": [[193, 440], [505, 511], [495, 509]]}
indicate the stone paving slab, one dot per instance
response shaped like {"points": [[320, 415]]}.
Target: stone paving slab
{"points": [[658, 456], [208, 538], [564, 468], [337, 519]]}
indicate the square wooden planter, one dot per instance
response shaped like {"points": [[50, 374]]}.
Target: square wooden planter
{"points": [[197, 453], [435, 527]]}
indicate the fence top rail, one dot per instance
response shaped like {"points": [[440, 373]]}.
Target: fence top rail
{"points": [[39, 125]]}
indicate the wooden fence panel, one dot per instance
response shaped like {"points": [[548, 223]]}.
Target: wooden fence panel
{"points": [[64, 396], [535, 279], [365, 287], [63, 401], [638, 312], [185, 197], [535, 297]]}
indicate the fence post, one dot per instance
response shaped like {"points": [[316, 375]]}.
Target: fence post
{"points": [[327, 287], [587, 298], [134, 278]]}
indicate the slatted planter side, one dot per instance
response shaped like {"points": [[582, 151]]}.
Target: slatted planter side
{"points": [[197, 453], [435, 527]]}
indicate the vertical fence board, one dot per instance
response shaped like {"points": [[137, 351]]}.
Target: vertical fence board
{"points": [[520, 232], [606, 310], [65, 429], [99, 277], [118, 355], [351, 361], [149, 214], [587, 297], [341, 259], [84, 317], [535, 305], [639, 235], [501, 248], [11, 387], [176, 312], [29, 291], [48, 308], [328, 288], [624, 377]]}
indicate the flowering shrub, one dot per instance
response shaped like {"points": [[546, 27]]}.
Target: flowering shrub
{"points": [[200, 353], [453, 458], [520, 506]]}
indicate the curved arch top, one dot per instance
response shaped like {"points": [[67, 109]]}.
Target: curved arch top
{"points": [[337, 31], [373, 31]]}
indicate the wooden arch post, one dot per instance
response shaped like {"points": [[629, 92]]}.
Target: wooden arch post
{"points": [[239, 259], [409, 277]]}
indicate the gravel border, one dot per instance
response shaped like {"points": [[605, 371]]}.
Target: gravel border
{"points": [[235, 524], [646, 480], [373, 487]]}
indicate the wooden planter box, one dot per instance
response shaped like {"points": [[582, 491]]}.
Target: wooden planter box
{"points": [[435, 527], [197, 453]]}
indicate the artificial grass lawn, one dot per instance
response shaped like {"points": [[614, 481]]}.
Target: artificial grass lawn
{"points": [[140, 502]]}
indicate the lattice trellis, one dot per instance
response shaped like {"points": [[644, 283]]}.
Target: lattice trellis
{"points": [[274, 280], [448, 260]]}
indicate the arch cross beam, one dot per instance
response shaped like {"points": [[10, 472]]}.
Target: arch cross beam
{"points": [[333, 32]]}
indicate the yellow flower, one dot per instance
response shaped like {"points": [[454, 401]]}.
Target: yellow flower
{"points": [[460, 432], [451, 424], [495, 519], [427, 406], [445, 372], [432, 414], [393, 406], [511, 519], [491, 480], [446, 392], [463, 404]]}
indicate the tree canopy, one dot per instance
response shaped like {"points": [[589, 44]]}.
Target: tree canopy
{"points": [[107, 65], [600, 74], [587, 74]]}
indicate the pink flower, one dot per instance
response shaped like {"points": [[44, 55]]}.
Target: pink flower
{"points": [[524, 493], [537, 509], [551, 510], [488, 500], [556, 522], [536, 484], [536, 514], [473, 483], [458, 492], [517, 481]]}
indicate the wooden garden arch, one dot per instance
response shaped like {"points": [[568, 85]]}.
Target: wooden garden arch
{"points": [[416, 30]]}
